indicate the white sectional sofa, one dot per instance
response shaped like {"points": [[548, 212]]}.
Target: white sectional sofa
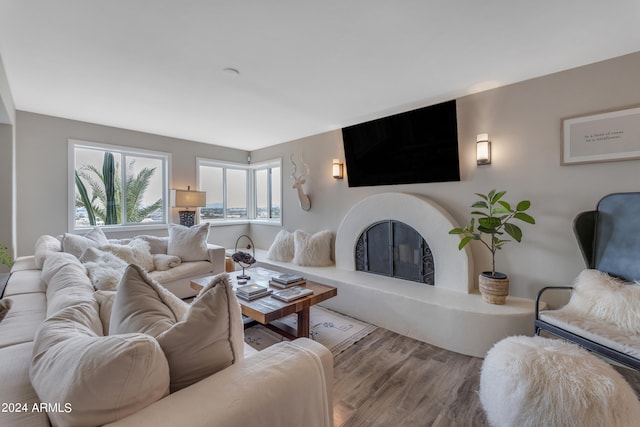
{"points": [[172, 260], [59, 367]]}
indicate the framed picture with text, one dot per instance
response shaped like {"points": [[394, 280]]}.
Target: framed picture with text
{"points": [[603, 137]]}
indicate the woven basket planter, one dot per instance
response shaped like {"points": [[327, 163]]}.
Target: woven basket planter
{"points": [[494, 290]]}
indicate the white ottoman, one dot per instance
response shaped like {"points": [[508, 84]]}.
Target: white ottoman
{"points": [[535, 381]]}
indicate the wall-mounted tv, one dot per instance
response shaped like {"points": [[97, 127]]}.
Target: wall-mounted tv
{"points": [[413, 147]]}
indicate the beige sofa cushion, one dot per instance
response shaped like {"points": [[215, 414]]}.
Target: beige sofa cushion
{"points": [[189, 243], [76, 244], [198, 339], [44, 245], [25, 282], [102, 379], [23, 320], [16, 387], [105, 302], [68, 283]]}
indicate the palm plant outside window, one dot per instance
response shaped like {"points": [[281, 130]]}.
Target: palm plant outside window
{"points": [[117, 187]]}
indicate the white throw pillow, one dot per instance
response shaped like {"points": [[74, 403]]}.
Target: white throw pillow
{"points": [[76, 244], [598, 295], [189, 243], [198, 340], [136, 252], [312, 250], [101, 379], [157, 245], [282, 248]]}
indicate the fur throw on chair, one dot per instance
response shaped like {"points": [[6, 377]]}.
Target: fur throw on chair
{"points": [[600, 296]]}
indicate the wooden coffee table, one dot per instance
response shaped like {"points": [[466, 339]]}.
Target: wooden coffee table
{"points": [[267, 309]]}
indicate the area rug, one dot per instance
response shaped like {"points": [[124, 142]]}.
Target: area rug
{"points": [[335, 331]]}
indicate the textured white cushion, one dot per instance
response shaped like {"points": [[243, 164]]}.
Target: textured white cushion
{"points": [[598, 295], [198, 339], [103, 379], [282, 247], [103, 268], [157, 245], [44, 245], [312, 250], [189, 243], [534, 381], [75, 244], [135, 252]]}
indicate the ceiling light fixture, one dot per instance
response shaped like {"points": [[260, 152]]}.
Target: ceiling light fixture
{"points": [[231, 71]]}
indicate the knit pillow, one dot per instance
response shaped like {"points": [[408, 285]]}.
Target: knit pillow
{"points": [[312, 250], [157, 245], [198, 340], [75, 244], [189, 243], [282, 247], [136, 252]]}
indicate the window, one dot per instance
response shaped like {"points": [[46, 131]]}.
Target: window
{"points": [[267, 191], [117, 186], [240, 192]]}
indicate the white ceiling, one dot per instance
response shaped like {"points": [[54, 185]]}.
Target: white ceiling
{"points": [[306, 67]]}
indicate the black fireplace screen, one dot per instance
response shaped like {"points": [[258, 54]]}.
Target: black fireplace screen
{"points": [[392, 248]]}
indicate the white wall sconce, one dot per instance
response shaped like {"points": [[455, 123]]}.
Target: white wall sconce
{"points": [[187, 199], [483, 149], [337, 169]]}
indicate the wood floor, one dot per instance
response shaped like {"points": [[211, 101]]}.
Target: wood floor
{"points": [[388, 379]]}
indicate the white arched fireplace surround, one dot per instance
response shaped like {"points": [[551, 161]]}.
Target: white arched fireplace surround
{"points": [[453, 268], [450, 314]]}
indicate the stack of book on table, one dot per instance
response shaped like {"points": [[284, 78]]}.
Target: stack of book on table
{"points": [[287, 280], [292, 293], [253, 291]]}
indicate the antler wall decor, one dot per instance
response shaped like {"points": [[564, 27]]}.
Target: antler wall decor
{"points": [[305, 201]]}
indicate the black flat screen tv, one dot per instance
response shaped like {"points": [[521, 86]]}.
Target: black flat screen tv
{"points": [[414, 147]]}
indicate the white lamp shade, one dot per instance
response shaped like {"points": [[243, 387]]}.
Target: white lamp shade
{"points": [[483, 149], [336, 170], [188, 199]]}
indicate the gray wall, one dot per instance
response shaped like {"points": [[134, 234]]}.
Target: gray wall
{"points": [[524, 124], [6, 186], [42, 172], [523, 121], [7, 178]]}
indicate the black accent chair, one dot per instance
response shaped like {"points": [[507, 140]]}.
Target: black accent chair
{"points": [[609, 238]]}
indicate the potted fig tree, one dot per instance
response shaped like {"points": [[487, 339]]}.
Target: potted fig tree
{"points": [[492, 225]]}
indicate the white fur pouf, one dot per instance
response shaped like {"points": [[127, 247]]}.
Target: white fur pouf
{"points": [[535, 381]]}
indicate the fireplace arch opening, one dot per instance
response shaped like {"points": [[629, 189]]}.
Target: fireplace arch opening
{"points": [[395, 249]]}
